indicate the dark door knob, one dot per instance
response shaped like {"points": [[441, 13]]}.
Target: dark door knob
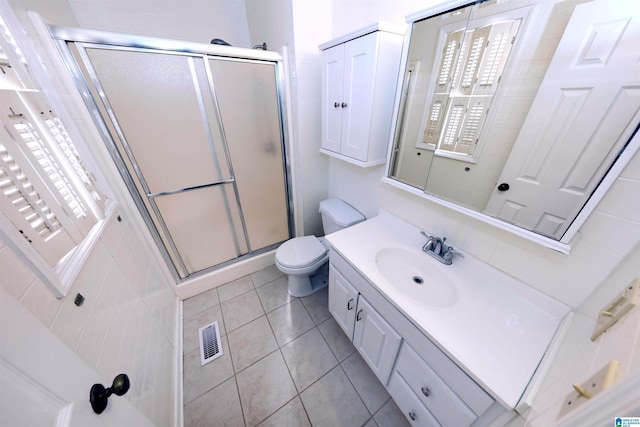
{"points": [[503, 187], [98, 395], [336, 104], [344, 105]]}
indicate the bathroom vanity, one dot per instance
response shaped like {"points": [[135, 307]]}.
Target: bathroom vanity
{"points": [[455, 345]]}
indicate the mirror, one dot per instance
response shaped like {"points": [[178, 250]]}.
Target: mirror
{"points": [[516, 110]]}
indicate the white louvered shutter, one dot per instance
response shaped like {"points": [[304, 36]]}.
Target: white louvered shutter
{"points": [[40, 192], [470, 67]]}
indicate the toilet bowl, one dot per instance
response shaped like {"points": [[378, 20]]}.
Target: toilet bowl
{"points": [[305, 259]]}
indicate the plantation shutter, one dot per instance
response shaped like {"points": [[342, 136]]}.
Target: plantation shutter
{"points": [[40, 193], [470, 67], [494, 59]]}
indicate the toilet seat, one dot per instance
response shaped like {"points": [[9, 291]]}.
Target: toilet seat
{"points": [[300, 252]]}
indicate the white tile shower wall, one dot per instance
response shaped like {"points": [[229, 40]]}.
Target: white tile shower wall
{"points": [[126, 324]]}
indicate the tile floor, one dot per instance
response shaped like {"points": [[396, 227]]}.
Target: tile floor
{"points": [[286, 362]]}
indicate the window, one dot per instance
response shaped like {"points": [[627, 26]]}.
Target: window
{"points": [[51, 208], [468, 72]]}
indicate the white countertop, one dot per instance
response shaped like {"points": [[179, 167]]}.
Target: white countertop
{"points": [[497, 331]]}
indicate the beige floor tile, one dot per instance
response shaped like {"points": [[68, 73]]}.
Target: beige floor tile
{"points": [[290, 415], [318, 305], [265, 387], [370, 389], [241, 310], [332, 401], [219, 407], [266, 275], [308, 358], [290, 321], [274, 294], [200, 379], [235, 288], [338, 341], [200, 303], [198, 320], [391, 415], [251, 343]]}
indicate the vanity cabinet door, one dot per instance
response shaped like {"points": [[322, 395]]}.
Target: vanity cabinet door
{"points": [[376, 340], [342, 301]]}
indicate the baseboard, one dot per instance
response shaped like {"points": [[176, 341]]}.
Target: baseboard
{"points": [[178, 378], [224, 275]]}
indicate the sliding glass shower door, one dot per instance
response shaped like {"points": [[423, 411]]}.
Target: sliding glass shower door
{"points": [[199, 141]]}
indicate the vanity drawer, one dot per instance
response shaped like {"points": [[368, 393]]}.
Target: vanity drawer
{"points": [[409, 404], [447, 407]]}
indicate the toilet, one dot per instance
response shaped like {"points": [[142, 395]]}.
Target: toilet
{"points": [[304, 259]]}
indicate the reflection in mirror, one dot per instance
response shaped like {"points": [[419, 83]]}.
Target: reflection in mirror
{"points": [[517, 109]]}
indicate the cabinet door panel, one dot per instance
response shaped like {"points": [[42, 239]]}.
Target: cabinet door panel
{"points": [[342, 301], [376, 340], [359, 81], [332, 95]]}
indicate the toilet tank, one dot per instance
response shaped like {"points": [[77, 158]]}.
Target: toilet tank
{"points": [[337, 214]]}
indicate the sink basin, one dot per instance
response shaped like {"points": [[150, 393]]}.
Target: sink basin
{"points": [[418, 275]]}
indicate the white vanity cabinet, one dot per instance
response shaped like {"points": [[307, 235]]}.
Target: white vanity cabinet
{"points": [[372, 336], [359, 75], [429, 388]]}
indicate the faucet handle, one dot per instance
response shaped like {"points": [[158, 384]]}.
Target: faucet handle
{"points": [[452, 251]]}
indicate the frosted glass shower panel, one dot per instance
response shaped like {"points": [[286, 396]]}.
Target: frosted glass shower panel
{"points": [[248, 102], [199, 227], [157, 98]]}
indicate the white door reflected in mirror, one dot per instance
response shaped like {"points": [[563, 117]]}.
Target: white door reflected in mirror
{"points": [[566, 104]]}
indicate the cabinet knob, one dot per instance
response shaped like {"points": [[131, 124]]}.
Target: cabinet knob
{"points": [[344, 105], [412, 415], [336, 104], [350, 304], [425, 391]]}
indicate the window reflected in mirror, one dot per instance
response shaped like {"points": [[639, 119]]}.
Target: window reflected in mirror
{"points": [[517, 109]]}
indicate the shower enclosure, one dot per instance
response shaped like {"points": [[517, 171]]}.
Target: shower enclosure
{"points": [[197, 136]]}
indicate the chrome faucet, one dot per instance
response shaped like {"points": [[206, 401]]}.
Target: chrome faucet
{"points": [[438, 249]]}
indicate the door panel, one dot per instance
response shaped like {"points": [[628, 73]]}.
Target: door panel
{"points": [[360, 59], [199, 227], [376, 340], [578, 122], [332, 97], [155, 99], [342, 301], [44, 383], [247, 98]]}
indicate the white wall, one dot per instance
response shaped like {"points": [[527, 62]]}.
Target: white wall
{"points": [[579, 357], [311, 24], [603, 260], [126, 323]]}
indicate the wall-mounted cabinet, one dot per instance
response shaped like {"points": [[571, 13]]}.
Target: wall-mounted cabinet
{"points": [[359, 75]]}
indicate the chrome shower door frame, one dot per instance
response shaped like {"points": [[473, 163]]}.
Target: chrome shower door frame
{"points": [[84, 39]]}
